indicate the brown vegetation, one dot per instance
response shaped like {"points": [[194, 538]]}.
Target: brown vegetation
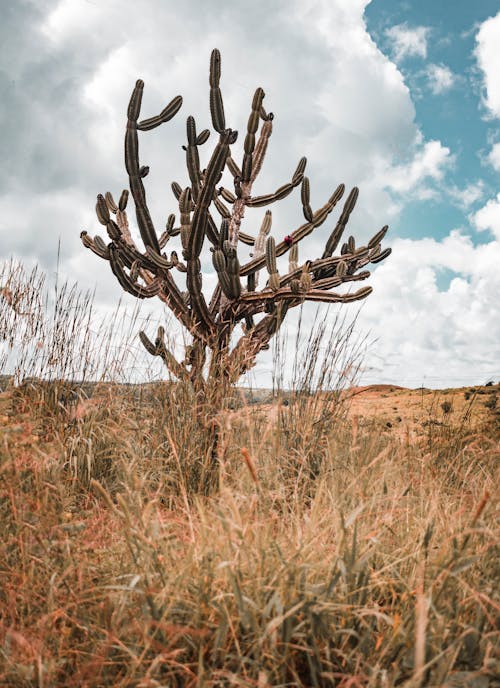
{"points": [[345, 547]]}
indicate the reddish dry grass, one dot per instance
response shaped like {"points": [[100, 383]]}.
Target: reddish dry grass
{"points": [[371, 561]]}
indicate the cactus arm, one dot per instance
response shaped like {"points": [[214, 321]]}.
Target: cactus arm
{"points": [[237, 215], [293, 258], [298, 234], [165, 115], [336, 235], [261, 148], [185, 216], [274, 278], [246, 239], [220, 264], [285, 294], [110, 202], [197, 300], [192, 157], [233, 168], [378, 237], [122, 222], [215, 300], [232, 270], [171, 295], [242, 357], [127, 283], [216, 104], [168, 232], [381, 256], [257, 159], [199, 227], [336, 280], [95, 245], [249, 144], [212, 231], [278, 195], [222, 209], [227, 195], [202, 137], [212, 176], [135, 172], [305, 198], [159, 349], [260, 243], [144, 221], [159, 260]]}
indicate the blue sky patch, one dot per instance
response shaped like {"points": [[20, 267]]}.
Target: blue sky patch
{"points": [[445, 87]]}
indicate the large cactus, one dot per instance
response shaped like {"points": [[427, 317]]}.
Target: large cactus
{"points": [[211, 214]]}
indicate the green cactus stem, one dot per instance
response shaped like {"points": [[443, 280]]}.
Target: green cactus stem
{"points": [[159, 349], [252, 126], [216, 104]]}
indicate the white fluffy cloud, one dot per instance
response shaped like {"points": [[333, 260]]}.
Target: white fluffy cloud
{"points": [[408, 42], [488, 217], [494, 157], [488, 57], [444, 295], [428, 163], [440, 78], [465, 197]]}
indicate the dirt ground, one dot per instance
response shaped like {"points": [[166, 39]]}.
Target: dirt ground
{"points": [[412, 410], [409, 413]]}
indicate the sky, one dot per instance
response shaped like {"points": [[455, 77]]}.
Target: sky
{"points": [[399, 98]]}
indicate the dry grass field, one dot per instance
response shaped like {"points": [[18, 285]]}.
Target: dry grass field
{"points": [[353, 540]]}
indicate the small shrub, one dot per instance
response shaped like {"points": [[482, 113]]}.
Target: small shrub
{"points": [[491, 402], [446, 407]]}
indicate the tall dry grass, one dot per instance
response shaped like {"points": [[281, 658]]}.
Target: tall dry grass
{"points": [[335, 554]]}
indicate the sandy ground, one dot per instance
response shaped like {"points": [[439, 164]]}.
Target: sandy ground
{"points": [[415, 409]]}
